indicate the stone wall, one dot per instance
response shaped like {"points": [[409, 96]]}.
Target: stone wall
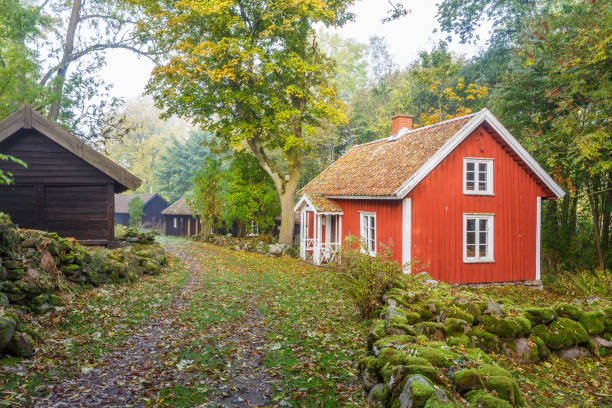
{"points": [[36, 265], [430, 348]]}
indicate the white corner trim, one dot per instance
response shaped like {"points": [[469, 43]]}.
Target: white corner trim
{"points": [[538, 236], [406, 232], [460, 136]]}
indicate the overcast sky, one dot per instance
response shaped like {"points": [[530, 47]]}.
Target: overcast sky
{"points": [[406, 37]]}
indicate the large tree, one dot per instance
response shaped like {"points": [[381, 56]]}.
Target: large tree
{"points": [[252, 73]]}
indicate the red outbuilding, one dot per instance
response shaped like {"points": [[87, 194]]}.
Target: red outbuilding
{"points": [[461, 197]]}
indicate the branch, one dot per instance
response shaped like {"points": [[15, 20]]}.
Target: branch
{"points": [[93, 48]]}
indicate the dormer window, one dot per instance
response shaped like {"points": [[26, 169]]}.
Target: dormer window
{"points": [[478, 176]]}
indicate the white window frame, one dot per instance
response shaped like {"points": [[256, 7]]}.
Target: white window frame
{"points": [[364, 228], [489, 181], [253, 229], [175, 222], [488, 258]]}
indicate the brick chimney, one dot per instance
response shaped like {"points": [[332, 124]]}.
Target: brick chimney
{"points": [[398, 122]]}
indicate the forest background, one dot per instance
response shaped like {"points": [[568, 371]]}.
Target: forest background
{"points": [[545, 73]]}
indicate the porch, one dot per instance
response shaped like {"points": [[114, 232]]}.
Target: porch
{"points": [[320, 229]]}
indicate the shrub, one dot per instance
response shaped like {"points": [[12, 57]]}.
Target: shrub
{"points": [[580, 283], [135, 210], [365, 278]]}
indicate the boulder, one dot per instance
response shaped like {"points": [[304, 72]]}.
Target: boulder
{"points": [[573, 353], [593, 322], [275, 250], [7, 329], [494, 309], [562, 333], [484, 340], [4, 300], [503, 327], [378, 396], [15, 274], [568, 310], [21, 345], [455, 326], [417, 390], [3, 274], [433, 330], [600, 342], [523, 350], [539, 315], [482, 399]]}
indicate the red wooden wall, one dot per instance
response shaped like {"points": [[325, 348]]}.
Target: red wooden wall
{"points": [[438, 205], [388, 221]]}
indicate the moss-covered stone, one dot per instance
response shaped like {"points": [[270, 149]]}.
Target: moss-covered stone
{"points": [[503, 327], [433, 330], [539, 315], [397, 342], [458, 340], [562, 333], [524, 327], [420, 393], [482, 399], [457, 313], [467, 379], [506, 388], [378, 396], [376, 332], [593, 322], [568, 310], [454, 326], [393, 357], [436, 353], [7, 328], [484, 340], [435, 402]]}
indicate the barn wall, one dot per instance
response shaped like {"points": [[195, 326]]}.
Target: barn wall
{"points": [[185, 224], [152, 211], [438, 205], [388, 221], [58, 191]]}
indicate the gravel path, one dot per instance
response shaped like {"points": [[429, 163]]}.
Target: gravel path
{"points": [[130, 375]]}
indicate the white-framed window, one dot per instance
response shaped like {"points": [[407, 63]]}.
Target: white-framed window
{"points": [[478, 238], [477, 176], [175, 222], [368, 232], [253, 229]]}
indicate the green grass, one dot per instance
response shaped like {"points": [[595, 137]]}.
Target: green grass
{"points": [[91, 323]]}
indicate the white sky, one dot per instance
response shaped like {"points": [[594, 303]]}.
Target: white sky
{"points": [[405, 37]]}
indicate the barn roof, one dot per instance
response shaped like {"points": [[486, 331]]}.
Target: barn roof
{"points": [[28, 118], [179, 207], [122, 200], [392, 167]]}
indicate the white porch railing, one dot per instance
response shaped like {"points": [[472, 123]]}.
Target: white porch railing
{"points": [[320, 252]]}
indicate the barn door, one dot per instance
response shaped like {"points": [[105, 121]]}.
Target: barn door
{"points": [[23, 204], [80, 212]]}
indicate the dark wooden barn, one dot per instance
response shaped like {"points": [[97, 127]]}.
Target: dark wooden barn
{"points": [[179, 220], [67, 187], [152, 217]]}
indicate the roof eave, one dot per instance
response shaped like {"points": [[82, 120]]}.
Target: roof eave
{"points": [[460, 136]]}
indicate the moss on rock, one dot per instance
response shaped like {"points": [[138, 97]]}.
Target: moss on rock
{"points": [[503, 327], [539, 315], [482, 399], [593, 322], [433, 330], [484, 340], [562, 333], [454, 326], [568, 310], [458, 313]]}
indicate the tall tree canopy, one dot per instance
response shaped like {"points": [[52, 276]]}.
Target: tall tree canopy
{"points": [[252, 73]]}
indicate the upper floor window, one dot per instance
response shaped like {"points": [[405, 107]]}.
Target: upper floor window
{"points": [[477, 238], [478, 176], [368, 232]]}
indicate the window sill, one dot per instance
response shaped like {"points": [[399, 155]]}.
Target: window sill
{"points": [[473, 261], [472, 193]]}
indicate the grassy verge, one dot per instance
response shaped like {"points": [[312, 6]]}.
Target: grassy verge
{"points": [[314, 337], [90, 323]]}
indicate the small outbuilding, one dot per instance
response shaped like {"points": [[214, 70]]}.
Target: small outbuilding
{"points": [[67, 187], [179, 220], [152, 217]]}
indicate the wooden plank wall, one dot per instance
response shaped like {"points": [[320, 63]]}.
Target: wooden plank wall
{"points": [[438, 205], [58, 191]]}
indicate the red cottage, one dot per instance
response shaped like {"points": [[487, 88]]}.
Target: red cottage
{"points": [[462, 197]]}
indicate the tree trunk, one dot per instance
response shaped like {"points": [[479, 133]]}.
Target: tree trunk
{"points": [[287, 200], [596, 233], [60, 77]]}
